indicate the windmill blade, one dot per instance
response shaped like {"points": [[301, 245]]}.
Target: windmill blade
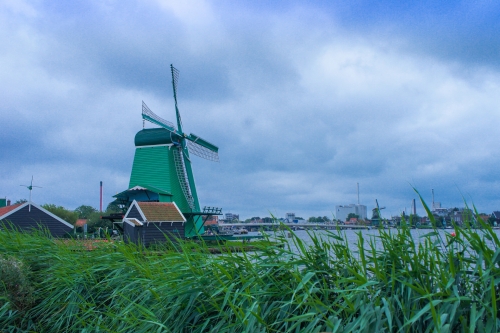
{"points": [[150, 116], [202, 148], [175, 78]]}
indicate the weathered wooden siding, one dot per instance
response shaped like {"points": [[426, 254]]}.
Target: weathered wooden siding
{"points": [[155, 233], [134, 214], [34, 219], [130, 233]]}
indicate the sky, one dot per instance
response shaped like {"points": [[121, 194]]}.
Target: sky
{"points": [[305, 99]]}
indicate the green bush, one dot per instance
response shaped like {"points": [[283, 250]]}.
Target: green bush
{"points": [[15, 286], [67, 215]]}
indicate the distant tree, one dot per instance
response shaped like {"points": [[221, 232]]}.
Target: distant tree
{"points": [[94, 221], [440, 221], [351, 215], [67, 215], [414, 219], [114, 207], [85, 211], [20, 201], [318, 219]]}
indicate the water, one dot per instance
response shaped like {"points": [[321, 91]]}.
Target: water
{"points": [[352, 235]]}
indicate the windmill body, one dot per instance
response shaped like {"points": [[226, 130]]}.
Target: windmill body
{"points": [[162, 170]]}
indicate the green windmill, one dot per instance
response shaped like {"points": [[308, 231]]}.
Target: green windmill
{"points": [[162, 170]]}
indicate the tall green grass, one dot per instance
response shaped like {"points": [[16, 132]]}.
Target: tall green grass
{"points": [[390, 282]]}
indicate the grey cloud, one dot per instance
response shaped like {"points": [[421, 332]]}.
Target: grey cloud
{"points": [[301, 110]]}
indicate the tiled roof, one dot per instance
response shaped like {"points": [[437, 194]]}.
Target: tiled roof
{"points": [[80, 222], [161, 211], [5, 210]]}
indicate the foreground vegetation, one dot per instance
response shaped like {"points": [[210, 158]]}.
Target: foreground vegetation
{"points": [[389, 283]]}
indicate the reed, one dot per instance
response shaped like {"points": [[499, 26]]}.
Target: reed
{"points": [[390, 282]]}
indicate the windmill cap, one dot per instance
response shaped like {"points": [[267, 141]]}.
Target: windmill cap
{"points": [[154, 136]]}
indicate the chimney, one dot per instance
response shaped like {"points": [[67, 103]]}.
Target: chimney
{"points": [[8, 202], [100, 199]]}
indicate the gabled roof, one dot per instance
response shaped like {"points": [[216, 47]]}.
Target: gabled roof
{"points": [[161, 211], [14, 208], [142, 188], [496, 214], [5, 210], [153, 212]]}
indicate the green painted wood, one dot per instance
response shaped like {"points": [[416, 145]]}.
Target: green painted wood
{"points": [[151, 167], [155, 166]]}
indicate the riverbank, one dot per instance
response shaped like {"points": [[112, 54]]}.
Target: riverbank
{"points": [[385, 282]]}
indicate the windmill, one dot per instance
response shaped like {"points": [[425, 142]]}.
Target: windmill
{"points": [[30, 187], [162, 164], [376, 216]]}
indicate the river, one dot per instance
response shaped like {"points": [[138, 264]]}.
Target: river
{"points": [[352, 236]]}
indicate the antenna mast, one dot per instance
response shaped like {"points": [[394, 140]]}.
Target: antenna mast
{"points": [[30, 187]]}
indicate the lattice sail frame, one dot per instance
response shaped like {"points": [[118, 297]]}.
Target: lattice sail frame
{"points": [[153, 116], [202, 152], [180, 168], [175, 78]]}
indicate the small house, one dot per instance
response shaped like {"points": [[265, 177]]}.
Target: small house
{"points": [[28, 216], [147, 223]]}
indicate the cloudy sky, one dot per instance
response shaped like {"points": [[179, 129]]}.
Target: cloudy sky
{"points": [[304, 99]]}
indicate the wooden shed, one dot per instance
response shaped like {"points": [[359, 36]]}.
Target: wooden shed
{"points": [[28, 216], [147, 223]]}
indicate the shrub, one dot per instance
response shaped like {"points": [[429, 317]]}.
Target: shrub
{"points": [[15, 286]]}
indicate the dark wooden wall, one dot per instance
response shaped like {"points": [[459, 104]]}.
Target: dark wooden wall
{"points": [[24, 219], [134, 214], [156, 233], [130, 233]]}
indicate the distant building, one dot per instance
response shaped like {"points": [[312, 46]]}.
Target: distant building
{"points": [[210, 220], [440, 211], [3, 202], [461, 216], [496, 216], [231, 217], [342, 212], [289, 217], [352, 221]]}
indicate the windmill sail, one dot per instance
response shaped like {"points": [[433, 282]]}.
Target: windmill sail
{"points": [[150, 116], [203, 152], [180, 168]]}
